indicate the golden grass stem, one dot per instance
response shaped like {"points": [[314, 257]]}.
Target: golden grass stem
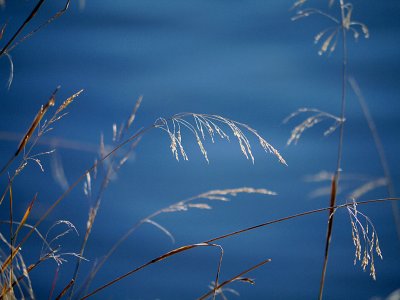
{"points": [[64, 291], [35, 123], [28, 270], [24, 217]]}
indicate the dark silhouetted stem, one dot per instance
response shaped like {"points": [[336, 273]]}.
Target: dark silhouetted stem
{"points": [[210, 241], [335, 181]]}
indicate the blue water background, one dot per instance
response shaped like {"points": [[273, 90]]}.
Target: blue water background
{"points": [[244, 60]]}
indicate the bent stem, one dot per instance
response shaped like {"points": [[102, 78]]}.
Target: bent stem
{"points": [[237, 277], [211, 241], [160, 258], [179, 206]]}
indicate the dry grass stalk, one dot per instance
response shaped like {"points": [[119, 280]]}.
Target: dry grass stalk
{"points": [[27, 20], [381, 151], [334, 185], [329, 36], [41, 130], [25, 217], [64, 105], [33, 228], [158, 259], [111, 168], [12, 43], [317, 117], [342, 24], [362, 235], [180, 206], [58, 14], [210, 125], [14, 264], [6, 291], [239, 277], [15, 268], [238, 232], [203, 125], [35, 123], [18, 266], [65, 290]]}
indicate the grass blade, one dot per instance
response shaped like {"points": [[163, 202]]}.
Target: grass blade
{"points": [[35, 123], [25, 217], [328, 234]]}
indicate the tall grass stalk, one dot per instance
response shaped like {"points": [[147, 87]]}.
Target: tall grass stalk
{"points": [[335, 180], [330, 35], [199, 127], [180, 206], [231, 234]]}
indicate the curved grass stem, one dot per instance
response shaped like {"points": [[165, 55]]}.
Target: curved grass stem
{"points": [[238, 232]]}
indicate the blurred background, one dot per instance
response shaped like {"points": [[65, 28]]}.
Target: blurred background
{"points": [[244, 60]]}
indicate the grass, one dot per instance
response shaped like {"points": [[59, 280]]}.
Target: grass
{"points": [[182, 130]]}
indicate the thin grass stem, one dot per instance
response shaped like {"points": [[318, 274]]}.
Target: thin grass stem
{"points": [[73, 185], [19, 30], [220, 286], [238, 232], [336, 178]]}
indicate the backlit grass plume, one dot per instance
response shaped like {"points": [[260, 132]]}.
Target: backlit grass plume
{"points": [[328, 37], [203, 125], [365, 240], [317, 117]]}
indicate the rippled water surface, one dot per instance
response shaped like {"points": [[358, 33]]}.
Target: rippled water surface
{"points": [[245, 60]]}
